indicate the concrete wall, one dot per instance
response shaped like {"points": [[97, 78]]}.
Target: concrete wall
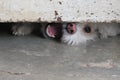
{"points": [[60, 10]]}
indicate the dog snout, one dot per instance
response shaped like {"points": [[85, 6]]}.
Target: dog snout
{"points": [[71, 28]]}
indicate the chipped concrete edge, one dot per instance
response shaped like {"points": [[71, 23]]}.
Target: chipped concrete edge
{"points": [[60, 11]]}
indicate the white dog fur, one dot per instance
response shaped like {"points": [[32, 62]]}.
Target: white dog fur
{"points": [[102, 30]]}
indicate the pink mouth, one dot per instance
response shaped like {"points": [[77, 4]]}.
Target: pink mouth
{"points": [[54, 30], [51, 31], [71, 28]]}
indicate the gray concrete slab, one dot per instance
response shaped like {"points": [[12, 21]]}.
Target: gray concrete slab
{"points": [[33, 58]]}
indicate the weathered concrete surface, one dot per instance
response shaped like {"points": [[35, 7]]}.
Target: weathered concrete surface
{"points": [[33, 58], [60, 10]]}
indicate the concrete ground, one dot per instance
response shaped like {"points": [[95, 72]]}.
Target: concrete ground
{"points": [[33, 58]]}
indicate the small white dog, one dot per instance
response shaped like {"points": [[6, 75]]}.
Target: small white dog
{"points": [[70, 33], [76, 33]]}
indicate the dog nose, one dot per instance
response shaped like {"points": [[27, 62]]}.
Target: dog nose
{"points": [[71, 28]]}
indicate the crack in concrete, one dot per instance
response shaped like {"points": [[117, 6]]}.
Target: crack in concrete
{"points": [[107, 64], [14, 73]]}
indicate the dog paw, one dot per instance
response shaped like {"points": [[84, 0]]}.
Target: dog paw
{"points": [[21, 30]]}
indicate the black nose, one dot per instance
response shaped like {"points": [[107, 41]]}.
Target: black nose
{"points": [[71, 25], [87, 29]]}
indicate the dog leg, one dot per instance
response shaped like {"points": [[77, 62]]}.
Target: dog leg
{"points": [[19, 29]]}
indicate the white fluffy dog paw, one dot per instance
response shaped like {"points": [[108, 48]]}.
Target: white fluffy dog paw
{"points": [[108, 29], [21, 29]]}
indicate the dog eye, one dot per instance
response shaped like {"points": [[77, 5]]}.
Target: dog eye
{"points": [[87, 29]]}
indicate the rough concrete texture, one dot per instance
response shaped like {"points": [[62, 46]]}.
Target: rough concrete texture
{"points": [[33, 58], [60, 10]]}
